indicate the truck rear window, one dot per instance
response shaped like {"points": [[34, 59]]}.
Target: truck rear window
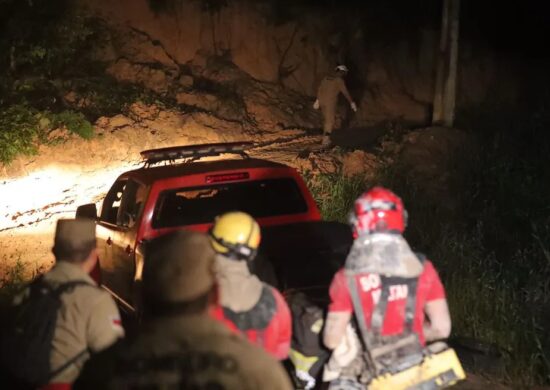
{"points": [[199, 205]]}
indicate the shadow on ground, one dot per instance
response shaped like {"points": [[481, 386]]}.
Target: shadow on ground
{"points": [[365, 138]]}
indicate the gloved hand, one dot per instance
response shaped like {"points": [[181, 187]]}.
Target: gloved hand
{"points": [[353, 106], [343, 355], [316, 104], [305, 377]]}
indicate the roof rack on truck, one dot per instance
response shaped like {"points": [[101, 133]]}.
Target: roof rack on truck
{"points": [[194, 152]]}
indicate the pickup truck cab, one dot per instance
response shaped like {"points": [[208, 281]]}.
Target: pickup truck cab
{"points": [[175, 191]]}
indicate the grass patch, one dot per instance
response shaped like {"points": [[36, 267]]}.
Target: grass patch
{"points": [[490, 302], [335, 194], [19, 127]]}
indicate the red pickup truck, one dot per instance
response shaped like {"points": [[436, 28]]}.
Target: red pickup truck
{"points": [[173, 191]]}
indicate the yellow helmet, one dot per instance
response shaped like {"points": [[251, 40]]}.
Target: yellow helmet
{"points": [[236, 235]]}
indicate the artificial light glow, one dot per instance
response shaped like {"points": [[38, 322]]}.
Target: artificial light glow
{"points": [[53, 191], [21, 197], [30, 205]]}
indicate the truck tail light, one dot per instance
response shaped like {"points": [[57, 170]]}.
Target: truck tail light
{"points": [[227, 177]]}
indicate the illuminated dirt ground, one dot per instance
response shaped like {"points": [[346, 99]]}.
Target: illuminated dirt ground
{"points": [[32, 204]]}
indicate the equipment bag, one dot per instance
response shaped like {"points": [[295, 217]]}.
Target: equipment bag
{"points": [[27, 333], [307, 353]]}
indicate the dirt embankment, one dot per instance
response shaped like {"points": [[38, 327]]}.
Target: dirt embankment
{"points": [[295, 45]]}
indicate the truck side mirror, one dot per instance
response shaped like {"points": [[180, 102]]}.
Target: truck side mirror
{"points": [[87, 211]]}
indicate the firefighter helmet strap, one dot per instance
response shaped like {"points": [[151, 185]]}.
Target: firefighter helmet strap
{"points": [[236, 251]]}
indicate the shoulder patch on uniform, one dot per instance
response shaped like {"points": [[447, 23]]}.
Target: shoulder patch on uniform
{"points": [[115, 321]]}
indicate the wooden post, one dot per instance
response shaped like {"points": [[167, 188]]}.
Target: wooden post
{"points": [[437, 117], [449, 99], [445, 83]]}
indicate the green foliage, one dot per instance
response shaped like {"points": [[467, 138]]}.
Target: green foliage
{"points": [[35, 106], [46, 49], [75, 122], [490, 302], [42, 44], [19, 127], [22, 127], [46, 37], [335, 194], [493, 257]]}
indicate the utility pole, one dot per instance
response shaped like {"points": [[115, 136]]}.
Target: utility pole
{"points": [[437, 116], [447, 59]]}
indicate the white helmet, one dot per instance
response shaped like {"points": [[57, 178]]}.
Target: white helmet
{"points": [[342, 68]]}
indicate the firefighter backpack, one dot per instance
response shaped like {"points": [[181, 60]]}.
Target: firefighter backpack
{"points": [[26, 336], [400, 362]]}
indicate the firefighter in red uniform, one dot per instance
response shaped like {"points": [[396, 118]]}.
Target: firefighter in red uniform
{"points": [[248, 305], [395, 294]]}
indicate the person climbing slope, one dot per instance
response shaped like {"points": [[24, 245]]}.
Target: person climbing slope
{"points": [[327, 99]]}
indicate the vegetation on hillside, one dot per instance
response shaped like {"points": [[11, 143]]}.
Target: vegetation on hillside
{"points": [[40, 42], [49, 78]]}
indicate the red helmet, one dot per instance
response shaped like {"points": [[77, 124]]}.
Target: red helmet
{"points": [[378, 210]]}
